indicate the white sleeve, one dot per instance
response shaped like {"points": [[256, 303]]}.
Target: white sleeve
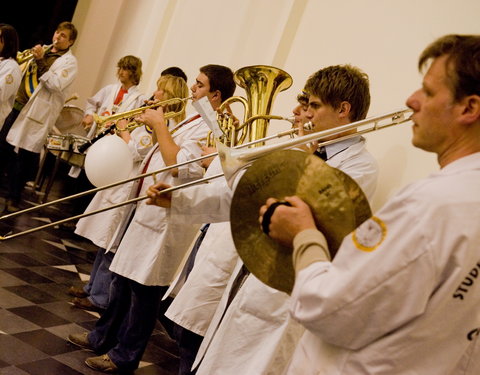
{"points": [[367, 291]]}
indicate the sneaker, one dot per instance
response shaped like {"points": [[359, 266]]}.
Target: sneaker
{"points": [[102, 363], [77, 292], [80, 340], [86, 304]]}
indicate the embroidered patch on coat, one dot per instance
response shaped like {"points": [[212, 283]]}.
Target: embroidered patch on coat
{"points": [[369, 235], [8, 79], [146, 141]]}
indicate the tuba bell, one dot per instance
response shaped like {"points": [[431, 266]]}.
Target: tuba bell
{"points": [[261, 83]]}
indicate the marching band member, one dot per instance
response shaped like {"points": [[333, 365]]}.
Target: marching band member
{"points": [[254, 334], [100, 228], [117, 97], [402, 293], [10, 79], [39, 100], [10, 73], [149, 247]]}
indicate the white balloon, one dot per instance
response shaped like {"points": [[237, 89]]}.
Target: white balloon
{"points": [[108, 160]]}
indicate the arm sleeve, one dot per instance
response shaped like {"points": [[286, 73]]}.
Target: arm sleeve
{"points": [[367, 292]]}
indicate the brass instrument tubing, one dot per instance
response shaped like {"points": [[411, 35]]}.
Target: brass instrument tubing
{"points": [[143, 175], [173, 188]]}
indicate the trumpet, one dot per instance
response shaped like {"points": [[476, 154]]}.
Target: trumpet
{"points": [[232, 161], [102, 120], [27, 55]]}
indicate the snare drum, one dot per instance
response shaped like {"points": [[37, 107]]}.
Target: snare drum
{"points": [[70, 121], [75, 157], [58, 142]]}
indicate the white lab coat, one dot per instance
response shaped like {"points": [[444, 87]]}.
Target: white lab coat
{"points": [[152, 248], [402, 294], [197, 299], [10, 79], [257, 335], [37, 118], [100, 228]]}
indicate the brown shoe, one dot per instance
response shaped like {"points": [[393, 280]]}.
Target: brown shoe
{"points": [[80, 340], [102, 363], [86, 304], [77, 292]]}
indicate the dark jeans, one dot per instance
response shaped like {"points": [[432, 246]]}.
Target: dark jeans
{"points": [[6, 150], [101, 277], [188, 343], [125, 327]]}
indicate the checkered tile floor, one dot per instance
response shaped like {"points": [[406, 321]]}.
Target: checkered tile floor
{"points": [[35, 310]]}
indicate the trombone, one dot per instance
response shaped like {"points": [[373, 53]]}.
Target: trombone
{"points": [[289, 132], [232, 161]]}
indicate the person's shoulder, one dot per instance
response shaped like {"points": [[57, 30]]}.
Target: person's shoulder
{"points": [[11, 65]]}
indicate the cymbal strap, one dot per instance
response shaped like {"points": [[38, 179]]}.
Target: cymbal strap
{"points": [[267, 216]]}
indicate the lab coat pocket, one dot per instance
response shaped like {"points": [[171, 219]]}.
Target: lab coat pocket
{"points": [[39, 110]]}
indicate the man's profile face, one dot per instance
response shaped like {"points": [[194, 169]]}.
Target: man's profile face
{"points": [[201, 87], [434, 110], [124, 75], [300, 113], [61, 38], [323, 116]]}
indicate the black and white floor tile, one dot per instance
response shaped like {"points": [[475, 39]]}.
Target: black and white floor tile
{"points": [[36, 315]]}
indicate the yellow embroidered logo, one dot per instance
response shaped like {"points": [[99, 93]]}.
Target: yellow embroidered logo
{"points": [[146, 141], [369, 235], [64, 73], [9, 79]]}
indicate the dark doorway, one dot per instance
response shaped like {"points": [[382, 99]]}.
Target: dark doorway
{"points": [[36, 21]]}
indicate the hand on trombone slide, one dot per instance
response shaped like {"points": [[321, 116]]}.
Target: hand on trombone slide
{"points": [[206, 150], [157, 198]]}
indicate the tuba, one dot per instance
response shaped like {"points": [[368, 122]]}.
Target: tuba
{"points": [[261, 83]]}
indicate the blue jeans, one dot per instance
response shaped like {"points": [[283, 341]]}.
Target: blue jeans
{"points": [[125, 327], [98, 287]]}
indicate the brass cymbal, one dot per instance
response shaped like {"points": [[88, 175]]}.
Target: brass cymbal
{"points": [[285, 173], [356, 194]]}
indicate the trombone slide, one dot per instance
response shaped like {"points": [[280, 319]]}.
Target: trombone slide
{"points": [[234, 160]]}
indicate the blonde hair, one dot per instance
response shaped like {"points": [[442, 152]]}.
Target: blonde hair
{"points": [[173, 87]]}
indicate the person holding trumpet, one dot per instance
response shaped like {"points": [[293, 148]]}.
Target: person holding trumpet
{"points": [[148, 248], [100, 228], [51, 71], [402, 293]]}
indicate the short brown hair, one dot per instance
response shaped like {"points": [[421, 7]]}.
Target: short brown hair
{"points": [[220, 78], [339, 83], [71, 27], [134, 65], [463, 62]]}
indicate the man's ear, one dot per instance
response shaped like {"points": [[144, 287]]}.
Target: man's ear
{"points": [[344, 109], [471, 109]]}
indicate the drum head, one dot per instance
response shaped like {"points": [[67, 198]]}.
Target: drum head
{"points": [[70, 121]]}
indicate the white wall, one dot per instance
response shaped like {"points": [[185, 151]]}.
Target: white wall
{"points": [[382, 37]]}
